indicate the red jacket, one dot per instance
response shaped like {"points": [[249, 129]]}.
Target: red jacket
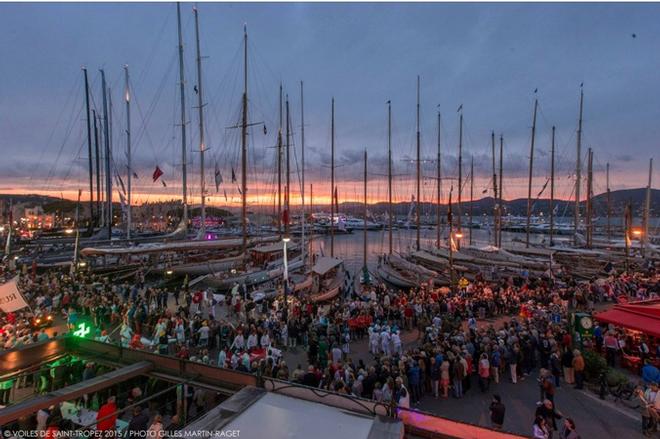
{"points": [[109, 423]]}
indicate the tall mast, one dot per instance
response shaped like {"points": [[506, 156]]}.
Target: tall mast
{"points": [[108, 177], [279, 170], [460, 176], [471, 194], [438, 186], [182, 93], [287, 196], [89, 153], [647, 208], [302, 186], [311, 210], [98, 170], [609, 203], [200, 111], [531, 169], [332, 180], [590, 156], [110, 161], [495, 203], [501, 203], [389, 173], [552, 188], [450, 220], [244, 139], [364, 253], [129, 168], [419, 158], [578, 171]]}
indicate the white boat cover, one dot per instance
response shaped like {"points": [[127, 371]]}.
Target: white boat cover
{"points": [[275, 247], [171, 246]]}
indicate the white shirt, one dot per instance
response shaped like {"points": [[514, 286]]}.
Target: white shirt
{"points": [[252, 341], [239, 342]]}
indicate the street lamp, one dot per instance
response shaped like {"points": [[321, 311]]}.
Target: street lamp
{"points": [[285, 311]]}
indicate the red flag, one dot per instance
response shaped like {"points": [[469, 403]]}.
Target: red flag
{"points": [[157, 174]]}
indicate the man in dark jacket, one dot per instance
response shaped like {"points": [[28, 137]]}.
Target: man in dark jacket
{"points": [[139, 422], [310, 379], [497, 410]]}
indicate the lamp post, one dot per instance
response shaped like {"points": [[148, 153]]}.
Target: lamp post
{"points": [[285, 311]]}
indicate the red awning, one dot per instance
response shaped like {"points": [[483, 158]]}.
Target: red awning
{"points": [[640, 316]]}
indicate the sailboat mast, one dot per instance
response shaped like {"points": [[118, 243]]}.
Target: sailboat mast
{"points": [[389, 173], [89, 153], [419, 159], [364, 253], [552, 187], [578, 172], [244, 139], [108, 177], [332, 180], [647, 209], [438, 186], [302, 186], [202, 146], [109, 158], [460, 177], [129, 168], [182, 94], [471, 195], [531, 170], [279, 170], [495, 202], [590, 156], [311, 210], [287, 196], [98, 170], [501, 203], [609, 203]]}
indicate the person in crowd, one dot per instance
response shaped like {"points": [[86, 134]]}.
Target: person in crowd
{"points": [[106, 418], [497, 411]]}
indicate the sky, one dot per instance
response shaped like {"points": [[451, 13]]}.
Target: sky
{"points": [[489, 58]]}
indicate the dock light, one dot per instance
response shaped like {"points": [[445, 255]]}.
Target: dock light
{"points": [[68, 231], [169, 272], [82, 264]]}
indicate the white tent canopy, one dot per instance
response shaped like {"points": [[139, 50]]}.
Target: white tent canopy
{"points": [[325, 264]]}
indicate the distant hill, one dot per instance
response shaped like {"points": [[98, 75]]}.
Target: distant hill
{"points": [[518, 207]]}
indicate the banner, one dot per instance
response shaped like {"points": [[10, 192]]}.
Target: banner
{"points": [[10, 298]]}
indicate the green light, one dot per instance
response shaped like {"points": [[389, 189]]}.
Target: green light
{"points": [[82, 331]]}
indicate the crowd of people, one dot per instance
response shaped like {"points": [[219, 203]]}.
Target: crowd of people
{"points": [[455, 351]]}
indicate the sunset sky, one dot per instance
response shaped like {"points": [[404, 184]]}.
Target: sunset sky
{"points": [[489, 58]]}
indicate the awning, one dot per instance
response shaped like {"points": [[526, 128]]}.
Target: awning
{"points": [[325, 264], [641, 316]]}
